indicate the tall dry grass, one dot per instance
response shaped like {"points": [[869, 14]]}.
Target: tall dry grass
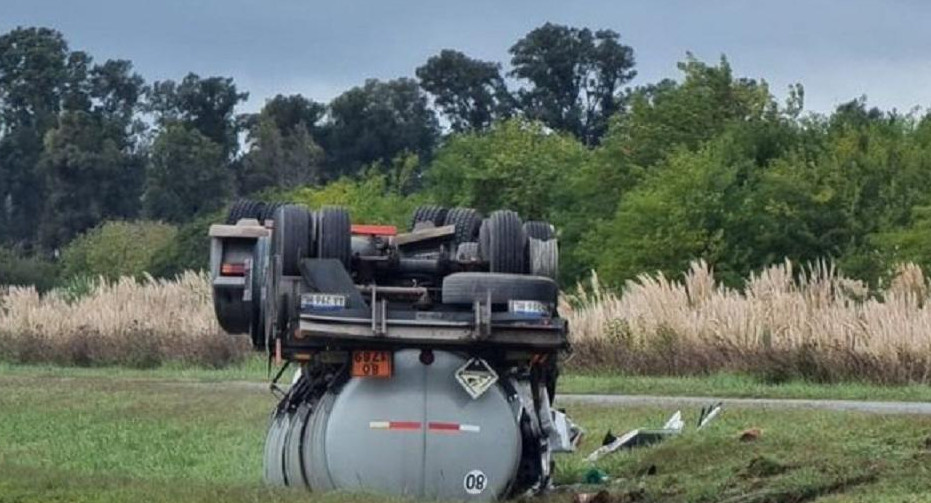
{"points": [[786, 323], [127, 322]]}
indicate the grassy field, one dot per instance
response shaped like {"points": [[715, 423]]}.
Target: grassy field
{"points": [[96, 437], [716, 385]]}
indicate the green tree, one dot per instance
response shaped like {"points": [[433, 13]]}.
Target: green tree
{"points": [[377, 122], [673, 217], [67, 138], [34, 75], [575, 77], [670, 114], [90, 164], [376, 197], [117, 93], [516, 165], [187, 175], [205, 104], [282, 151], [470, 93], [290, 113], [89, 176], [19, 270]]}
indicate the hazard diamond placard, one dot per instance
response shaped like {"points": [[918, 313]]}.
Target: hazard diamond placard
{"points": [[476, 376]]}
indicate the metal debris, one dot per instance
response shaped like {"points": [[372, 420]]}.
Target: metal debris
{"points": [[709, 413], [638, 437], [644, 437]]}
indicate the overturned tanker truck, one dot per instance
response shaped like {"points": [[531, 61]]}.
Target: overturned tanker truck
{"points": [[426, 360]]}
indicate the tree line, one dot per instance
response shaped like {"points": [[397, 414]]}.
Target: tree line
{"points": [[638, 179], [83, 141]]}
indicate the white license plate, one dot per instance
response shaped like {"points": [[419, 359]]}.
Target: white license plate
{"points": [[527, 307], [322, 302]]}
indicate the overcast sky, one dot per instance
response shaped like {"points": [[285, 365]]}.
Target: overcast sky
{"points": [[838, 49]]}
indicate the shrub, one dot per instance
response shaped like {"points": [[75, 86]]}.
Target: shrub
{"points": [[23, 271], [116, 249], [188, 251], [372, 199]]}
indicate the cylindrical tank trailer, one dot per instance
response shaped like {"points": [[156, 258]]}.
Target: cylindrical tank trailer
{"points": [[426, 361]]}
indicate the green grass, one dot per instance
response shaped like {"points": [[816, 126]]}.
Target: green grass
{"points": [[717, 385], [96, 438], [739, 386]]}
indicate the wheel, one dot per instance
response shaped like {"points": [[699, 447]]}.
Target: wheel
{"points": [[483, 240], [257, 211], [544, 257], [539, 230], [268, 213], [231, 312], [334, 234], [467, 222], [504, 243], [294, 446], [274, 449], [259, 270], [238, 210], [468, 287], [292, 240], [429, 213]]}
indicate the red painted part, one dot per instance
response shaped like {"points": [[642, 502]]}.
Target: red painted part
{"points": [[444, 427], [403, 425], [375, 230], [228, 269]]}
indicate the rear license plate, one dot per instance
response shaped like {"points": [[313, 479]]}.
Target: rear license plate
{"points": [[322, 302], [371, 364], [531, 308]]}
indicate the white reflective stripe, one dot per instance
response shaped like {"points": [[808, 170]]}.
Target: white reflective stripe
{"points": [[379, 425], [474, 428]]}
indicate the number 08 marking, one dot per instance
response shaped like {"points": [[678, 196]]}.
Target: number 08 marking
{"points": [[475, 482]]}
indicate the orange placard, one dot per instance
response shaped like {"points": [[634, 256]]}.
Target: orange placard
{"points": [[371, 364]]}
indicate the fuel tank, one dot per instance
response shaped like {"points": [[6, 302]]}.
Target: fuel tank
{"points": [[417, 433]]}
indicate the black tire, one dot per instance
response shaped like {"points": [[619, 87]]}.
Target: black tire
{"points": [[257, 211], [539, 230], [467, 222], [291, 238], [506, 249], [484, 241], [259, 270], [334, 234], [294, 447], [237, 211], [544, 257], [468, 287], [268, 213], [274, 448], [231, 312], [429, 213]]}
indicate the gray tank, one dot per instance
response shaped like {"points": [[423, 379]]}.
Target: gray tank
{"points": [[417, 434]]}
